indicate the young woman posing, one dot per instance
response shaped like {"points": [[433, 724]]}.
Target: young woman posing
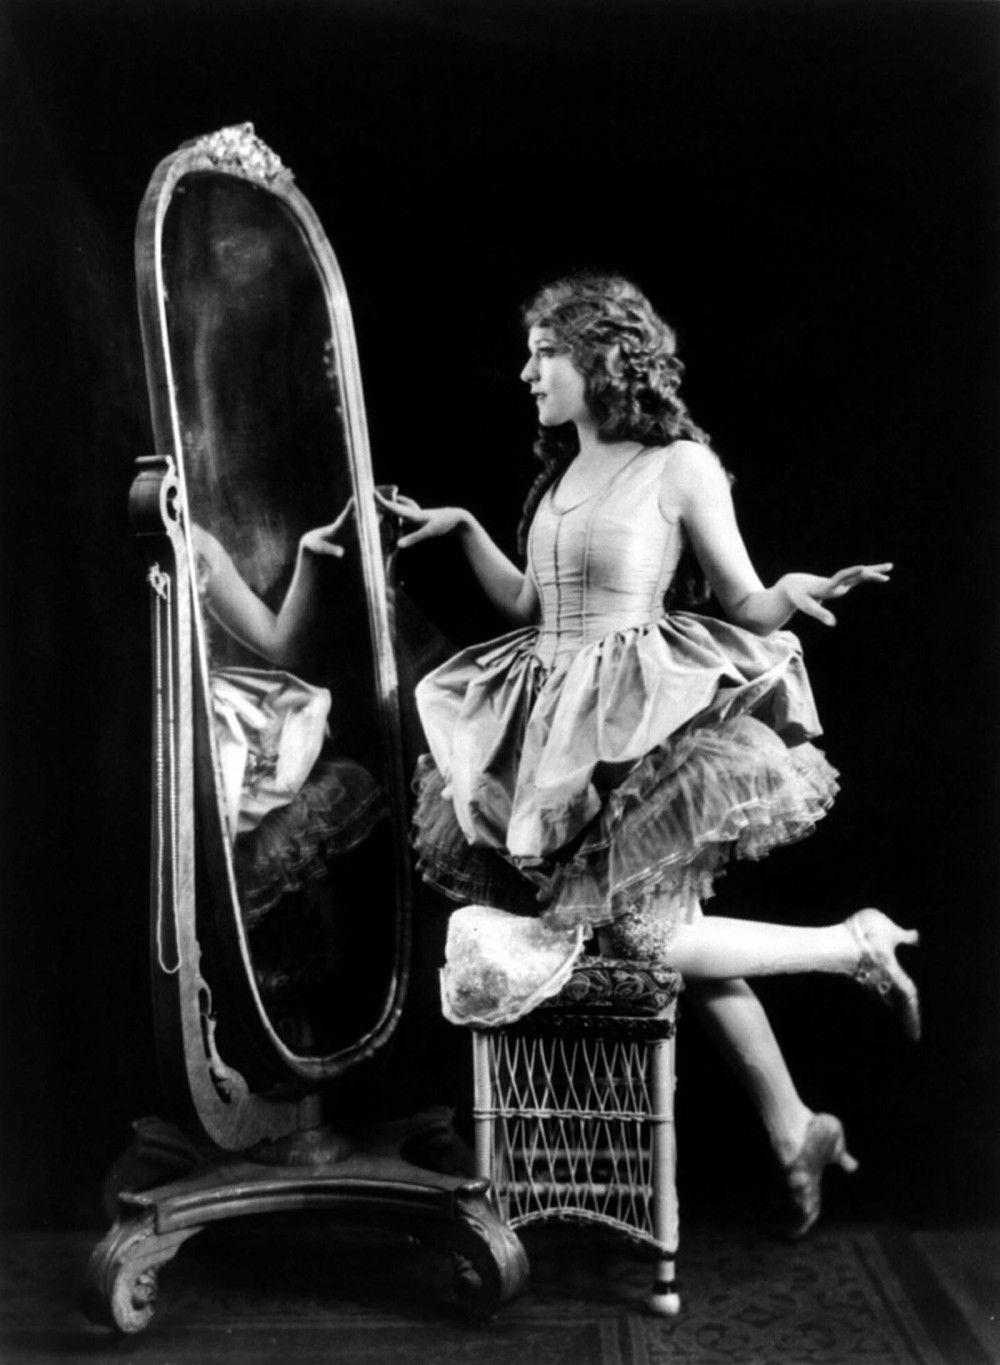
{"points": [[596, 767]]}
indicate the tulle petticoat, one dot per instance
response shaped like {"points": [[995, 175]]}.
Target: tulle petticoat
{"points": [[625, 772], [609, 787], [664, 833], [334, 812]]}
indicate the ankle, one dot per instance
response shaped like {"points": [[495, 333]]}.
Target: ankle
{"points": [[788, 1140]]}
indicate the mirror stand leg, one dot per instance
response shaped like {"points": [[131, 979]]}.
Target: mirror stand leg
{"points": [[375, 1180], [491, 1266], [120, 1282], [159, 1151]]}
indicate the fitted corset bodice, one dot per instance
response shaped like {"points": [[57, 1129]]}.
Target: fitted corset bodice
{"points": [[603, 564]]}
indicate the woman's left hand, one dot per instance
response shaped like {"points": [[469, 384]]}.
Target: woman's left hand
{"points": [[320, 540], [806, 592]]}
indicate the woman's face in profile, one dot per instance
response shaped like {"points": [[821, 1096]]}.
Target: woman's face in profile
{"points": [[557, 386]]}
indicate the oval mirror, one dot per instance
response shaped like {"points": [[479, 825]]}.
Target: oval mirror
{"points": [[301, 869], [280, 893]]}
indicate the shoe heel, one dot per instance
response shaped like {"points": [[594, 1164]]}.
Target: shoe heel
{"points": [[845, 1161]]}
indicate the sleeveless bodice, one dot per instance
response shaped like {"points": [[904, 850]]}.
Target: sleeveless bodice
{"points": [[603, 564], [608, 713]]}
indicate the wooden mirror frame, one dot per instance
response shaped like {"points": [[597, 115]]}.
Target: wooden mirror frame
{"points": [[211, 1090], [252, 1127]]}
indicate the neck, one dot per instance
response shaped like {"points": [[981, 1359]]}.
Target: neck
{"points": [[593, 448]]}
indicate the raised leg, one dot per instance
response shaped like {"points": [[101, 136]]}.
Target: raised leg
{"points": [[714, 948]]}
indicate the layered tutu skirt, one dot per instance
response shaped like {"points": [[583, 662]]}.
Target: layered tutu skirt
{"points": [[335, 811], [626, 772]]}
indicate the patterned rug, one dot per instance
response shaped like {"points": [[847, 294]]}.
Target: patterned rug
{"points": [[263, 1292]]}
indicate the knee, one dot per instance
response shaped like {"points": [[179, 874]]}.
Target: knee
{"points": [[645, 935]]}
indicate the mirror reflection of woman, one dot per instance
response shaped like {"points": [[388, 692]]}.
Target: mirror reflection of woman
{"points": [[279, 637], [285, 838], [597, 767]]}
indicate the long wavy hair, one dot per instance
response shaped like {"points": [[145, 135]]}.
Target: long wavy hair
{"points": [[628, 358]]}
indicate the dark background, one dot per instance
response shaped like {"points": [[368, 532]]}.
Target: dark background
{"points": [[808, 191]]}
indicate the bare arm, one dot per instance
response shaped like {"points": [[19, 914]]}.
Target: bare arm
{"points": [[696, 488], [512, 592], [277, 637]]}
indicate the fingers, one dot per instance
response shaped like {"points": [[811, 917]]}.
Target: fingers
{"points": [[402, 508], [808, 605], [327, 547], [400, 503], [846, 579], [336, 525], [422, 533]]}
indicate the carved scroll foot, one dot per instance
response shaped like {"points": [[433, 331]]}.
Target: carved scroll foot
{"points": [[366, 1181], [120, 1281], [491, 1267]]}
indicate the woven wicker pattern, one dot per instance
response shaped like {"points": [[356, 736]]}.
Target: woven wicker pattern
{"points": [[581, 1129], [574, 1105]]}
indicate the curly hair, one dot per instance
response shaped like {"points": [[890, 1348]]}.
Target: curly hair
{"points": [[628, 358]]}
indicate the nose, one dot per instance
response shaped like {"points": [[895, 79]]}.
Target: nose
{"points": [[530, 371]]}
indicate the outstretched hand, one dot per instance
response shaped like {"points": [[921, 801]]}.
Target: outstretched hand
{"points": [[320, 539], [807, 592], [427, 522]]}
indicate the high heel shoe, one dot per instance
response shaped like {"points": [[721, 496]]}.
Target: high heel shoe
{"points": [[824, 1146], [877, 939]]}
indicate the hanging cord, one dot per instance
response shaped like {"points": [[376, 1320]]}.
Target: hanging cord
{"points": [[165, 752]]}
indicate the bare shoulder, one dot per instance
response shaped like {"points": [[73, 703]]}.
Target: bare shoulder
{"points": [[691, 471], [693, 459], [206, 545], [212, 556]]}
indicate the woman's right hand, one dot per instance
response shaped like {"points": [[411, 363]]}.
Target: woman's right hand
{"points": [[427, 522], [319, 541]]}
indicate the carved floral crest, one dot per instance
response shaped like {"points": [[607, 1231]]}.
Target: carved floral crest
{"points": [[240, 150]]}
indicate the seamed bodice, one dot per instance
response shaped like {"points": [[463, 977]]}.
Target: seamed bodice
{"points": [[604, 564]]}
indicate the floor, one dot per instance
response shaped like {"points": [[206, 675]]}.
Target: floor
{"points": [[966, 1261], [296, 1291]]}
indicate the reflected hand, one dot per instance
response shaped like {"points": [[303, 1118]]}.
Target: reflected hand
{"points": [[427, 522], [320, 540], [806, 592]]}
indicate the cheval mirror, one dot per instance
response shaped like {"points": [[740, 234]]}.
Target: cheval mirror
{"points": [[280, 876]]}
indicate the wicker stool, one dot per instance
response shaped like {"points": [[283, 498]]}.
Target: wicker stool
{"points": [[574, 1110]]}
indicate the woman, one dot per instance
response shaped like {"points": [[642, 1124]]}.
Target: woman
{"points": [[277, 636], [599, 765], [295, 803]]}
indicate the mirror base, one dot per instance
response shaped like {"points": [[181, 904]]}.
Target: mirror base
{"points": [[373, 1186], [308, 1147]]}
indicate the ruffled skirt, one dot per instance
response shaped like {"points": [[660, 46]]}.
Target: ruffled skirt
{"points": [[336, 809], [628, 773]]}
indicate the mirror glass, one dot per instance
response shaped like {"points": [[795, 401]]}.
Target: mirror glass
{"points": [[297, 766]]}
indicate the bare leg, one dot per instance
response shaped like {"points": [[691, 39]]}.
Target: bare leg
{"points": [[804, 1143], [721, 949], [714, 949], [736, 1022]]}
